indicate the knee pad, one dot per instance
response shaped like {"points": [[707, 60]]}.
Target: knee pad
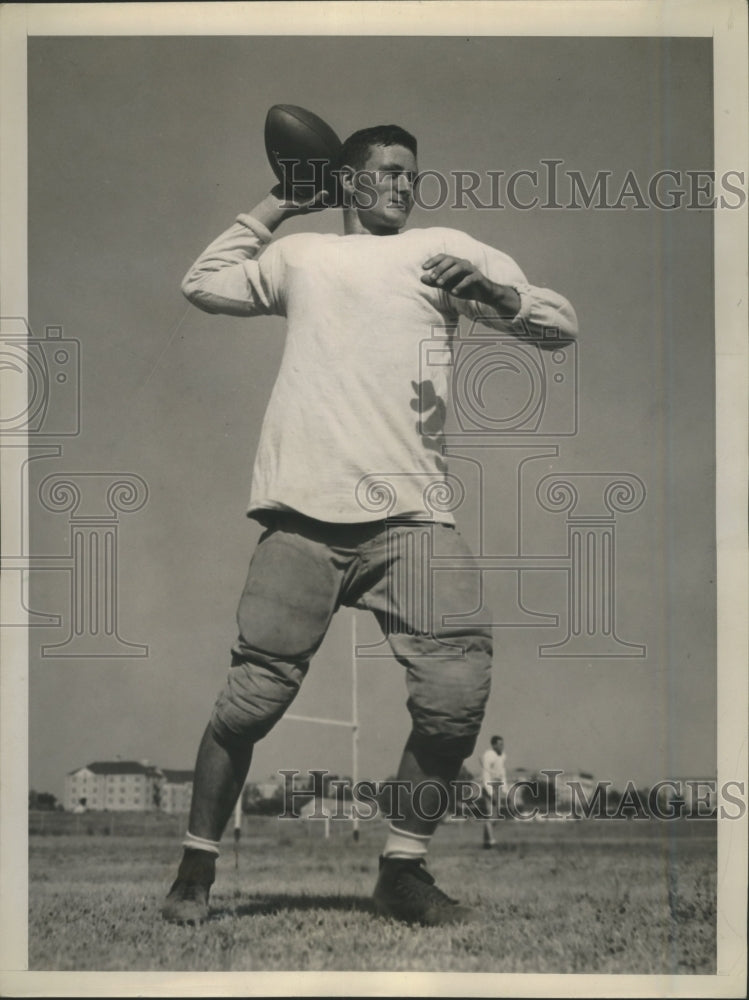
{"points": [[232, 729], [447, 699], [442, 745], [256, 695]]}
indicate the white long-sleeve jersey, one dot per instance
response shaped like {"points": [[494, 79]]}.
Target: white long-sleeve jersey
{"points": [[356, 397]]}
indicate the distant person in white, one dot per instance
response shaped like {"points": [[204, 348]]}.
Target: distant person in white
{"points": [[493, 771], [353, 403]]}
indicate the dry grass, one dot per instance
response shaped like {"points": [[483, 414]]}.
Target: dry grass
{"points": [[604, 897]]}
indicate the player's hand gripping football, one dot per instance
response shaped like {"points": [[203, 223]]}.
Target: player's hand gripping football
{"points": [[301, 204]]}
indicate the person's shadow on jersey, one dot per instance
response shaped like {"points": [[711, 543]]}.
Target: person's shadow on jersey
{"points": [[431, 425]]}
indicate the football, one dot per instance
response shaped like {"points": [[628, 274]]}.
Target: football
{"points": [[301, 149]]}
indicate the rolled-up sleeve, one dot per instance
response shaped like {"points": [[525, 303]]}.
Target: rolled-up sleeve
{"points": [[544, 312], [228, 278]]}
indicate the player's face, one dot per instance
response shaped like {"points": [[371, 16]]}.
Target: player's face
{"points": [[383, 189], [499, 745]]}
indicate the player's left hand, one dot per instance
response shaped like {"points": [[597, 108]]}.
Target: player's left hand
{"points": [[457, 276]]}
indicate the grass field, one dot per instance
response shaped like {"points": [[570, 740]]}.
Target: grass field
{"points": [[607, 897]]}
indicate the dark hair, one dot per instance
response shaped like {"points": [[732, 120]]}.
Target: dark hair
{"points": [[355, 150], [495, 738]]}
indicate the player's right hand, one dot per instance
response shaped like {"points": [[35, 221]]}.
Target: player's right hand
{"points": [[302, 205]]}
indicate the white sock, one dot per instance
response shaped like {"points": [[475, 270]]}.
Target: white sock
{"points": [[200, 844], [405, 845]]}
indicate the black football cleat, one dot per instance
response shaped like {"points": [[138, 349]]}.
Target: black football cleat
{"points": [[406, 891], [187, 902]]}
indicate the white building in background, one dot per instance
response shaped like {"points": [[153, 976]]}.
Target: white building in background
{"points": [[124, 785], [176, 790], [84, 789]]}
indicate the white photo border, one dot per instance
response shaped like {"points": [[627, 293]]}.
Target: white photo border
{"points": [[723, 20]]}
